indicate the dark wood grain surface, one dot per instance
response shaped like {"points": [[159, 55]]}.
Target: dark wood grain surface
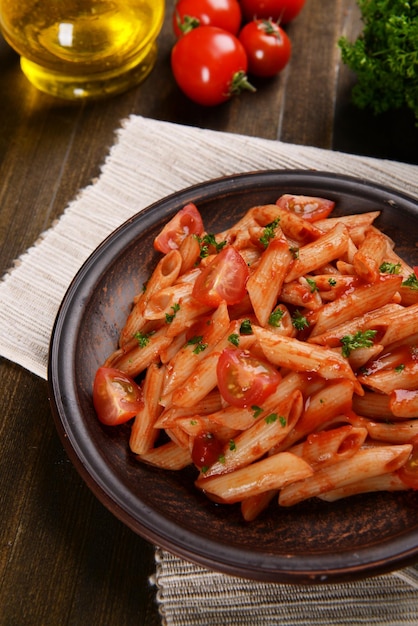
{"points": [[64, 559]]}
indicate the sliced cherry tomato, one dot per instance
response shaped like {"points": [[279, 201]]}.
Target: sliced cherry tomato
{"points": [[267, 46], [308, 207], [209, 65], [206, 450], [187, 220], [116, 397], [224, 278], [244, 380], [408, 473], [189, 14], [283, 11]]}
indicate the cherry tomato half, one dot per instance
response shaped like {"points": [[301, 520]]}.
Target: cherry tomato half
{"points": [[267, 46], [206, 450], [116, 397], [283, 11], [244, 380], [187, 220], [189, 14], [408, 473], [308, 207], [209, 65], [224, 278]]}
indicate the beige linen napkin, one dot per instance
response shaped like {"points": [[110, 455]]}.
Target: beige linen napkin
{"points": [[150, 160]]}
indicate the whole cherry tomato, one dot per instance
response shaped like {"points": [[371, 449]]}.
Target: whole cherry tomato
{"points": [[267, 46], [283, 11], [189, 14], [209, 65]]}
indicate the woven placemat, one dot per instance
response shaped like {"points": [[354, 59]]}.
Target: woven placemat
{"points": [[149, 160]]}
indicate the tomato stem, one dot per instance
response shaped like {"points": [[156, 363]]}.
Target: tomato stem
{"points": [[187, 24], [240, 83]]}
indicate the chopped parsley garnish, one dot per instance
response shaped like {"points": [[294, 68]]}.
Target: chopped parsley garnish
{"points": [[234, 339], [299, 321], [400, 368], [170, 316], [390, 268], [332, 282], [257, 410], [294, 251], [269, 232], [221, 458], [209, 240], [246, 328], [282, 420], [360, 339], [232, 445], [197, 342], [411, 282], [143, 338], [270, 419], [275, 317], [312, 284]]}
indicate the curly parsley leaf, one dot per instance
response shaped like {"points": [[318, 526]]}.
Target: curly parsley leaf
{"points": [[269, 232], [299, 321], [275, 317], [169, 317], [385, 56], [411, 282], [197, 342], [360, 339], [390, 268], [209, 241], [246, 328], [143, 339]]}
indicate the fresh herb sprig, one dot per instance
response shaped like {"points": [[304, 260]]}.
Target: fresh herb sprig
{"points": [[385, 56]]}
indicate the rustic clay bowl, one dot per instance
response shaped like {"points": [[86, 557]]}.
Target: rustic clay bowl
{"points": [[312, 542]]}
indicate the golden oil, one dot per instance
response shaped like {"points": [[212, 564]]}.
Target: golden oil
{"points": [[79, 49]]}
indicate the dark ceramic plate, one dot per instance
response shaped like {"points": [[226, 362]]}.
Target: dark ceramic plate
{"points": [[310, 543]]}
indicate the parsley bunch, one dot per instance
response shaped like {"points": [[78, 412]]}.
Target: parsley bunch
{"points": [[385, 56]]}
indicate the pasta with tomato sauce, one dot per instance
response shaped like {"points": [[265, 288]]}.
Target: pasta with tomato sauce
{"points": [[279, 357]]}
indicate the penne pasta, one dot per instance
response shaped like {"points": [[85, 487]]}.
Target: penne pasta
{"points": [[365, 464], [278, 357], [252, 480]]}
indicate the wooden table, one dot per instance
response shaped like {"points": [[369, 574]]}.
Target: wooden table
{"points": [[64, 559]]}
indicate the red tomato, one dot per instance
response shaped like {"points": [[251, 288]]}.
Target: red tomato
{"points": [[189, 14], [116, 397], [209, 65], [408, 473], [224, 278], [206, 450], [416, 270], [187, 220], [244, 380], [308, 207], [267, 46], [282, 11]]}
